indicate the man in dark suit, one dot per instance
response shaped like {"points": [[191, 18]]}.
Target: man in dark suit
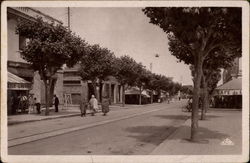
{"points": [[56, 103]]}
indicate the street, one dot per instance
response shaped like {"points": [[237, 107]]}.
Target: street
{"points": [[132, 135]]}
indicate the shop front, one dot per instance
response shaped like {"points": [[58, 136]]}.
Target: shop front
{"points": [[229, 95], [18, 94]]}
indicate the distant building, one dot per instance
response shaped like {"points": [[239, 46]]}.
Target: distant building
{"points": [[232, 72], [76, 90], [132, 96]]}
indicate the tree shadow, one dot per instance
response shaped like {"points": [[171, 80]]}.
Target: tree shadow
{"points": [[157, 134], [204, 135], [151, 134]]}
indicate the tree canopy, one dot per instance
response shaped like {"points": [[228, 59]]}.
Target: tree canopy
{"points": [[50, 46], [97, 64]]}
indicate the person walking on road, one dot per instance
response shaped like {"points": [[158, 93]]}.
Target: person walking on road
{"points": [[105, 106], [93, 105], [83, 108], [56, 103]]}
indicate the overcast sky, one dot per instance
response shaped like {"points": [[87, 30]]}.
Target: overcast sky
{"points": [[125, 31]]}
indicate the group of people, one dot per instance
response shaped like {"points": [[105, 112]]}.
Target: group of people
{"points": [[93, 106], [37, 103]]}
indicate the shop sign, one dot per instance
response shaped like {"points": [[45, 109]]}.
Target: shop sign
{"points": [[19, 86], [229, 92]]}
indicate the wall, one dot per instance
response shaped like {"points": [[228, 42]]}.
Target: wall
{"points": [[58, 91], [13, 41], [36, 87]]}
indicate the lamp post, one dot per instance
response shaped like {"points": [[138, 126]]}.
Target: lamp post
{"points": [[151, 64]]}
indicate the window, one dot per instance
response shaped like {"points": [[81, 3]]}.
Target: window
{"points": [[22, 42]]}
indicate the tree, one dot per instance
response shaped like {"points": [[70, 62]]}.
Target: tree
{"points": [[211, 76], [96, 66], [50, 46], [210, 79], [160, 83], [149, 83], [195, 34], [142, 80], [126, 72]]}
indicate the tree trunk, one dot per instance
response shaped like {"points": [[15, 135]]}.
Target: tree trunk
{"points": [[152, 94], [94, 87], [205, 102], [123, 96], [195, 104], [46, 85], [100, 91], [51, 91], [140, 96]]}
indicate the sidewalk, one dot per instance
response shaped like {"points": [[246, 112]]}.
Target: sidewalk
{"points": [[69, 112], [220, 134]]}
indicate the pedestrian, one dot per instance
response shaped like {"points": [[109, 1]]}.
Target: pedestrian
{"points": [[93, 105], [38, 105], [83, 108], [31, 104], [56, 103], [105, 106]]}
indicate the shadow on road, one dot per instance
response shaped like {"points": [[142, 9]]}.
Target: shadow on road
{"points": [[151, 134], [157, 134], [204, 135]]}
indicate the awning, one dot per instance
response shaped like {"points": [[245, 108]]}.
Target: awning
{"points": [[233, 87], [17, 83], [22, 72], [134, 91]]}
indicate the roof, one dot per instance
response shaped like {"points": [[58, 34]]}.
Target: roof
{"points": [[134, 91], [15, 79], [22, 72], [31, 13], [234, 84]]}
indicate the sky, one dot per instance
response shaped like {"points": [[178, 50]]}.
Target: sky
{"points": [[125, 31]]}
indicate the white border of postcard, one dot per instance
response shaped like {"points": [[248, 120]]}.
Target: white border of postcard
{"points": [[135, 158]]}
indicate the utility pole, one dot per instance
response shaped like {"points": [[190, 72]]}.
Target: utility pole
{"points": [[151, 66], [68, 18]]}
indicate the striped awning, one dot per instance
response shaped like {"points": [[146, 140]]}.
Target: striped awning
{"points": [[17, 83], [233, 87]]}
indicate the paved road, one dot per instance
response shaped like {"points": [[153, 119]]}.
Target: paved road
{"points": [[136, 135]]}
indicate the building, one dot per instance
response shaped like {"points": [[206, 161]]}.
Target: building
{"points": [[132, 96], [229, 94], [76, 90], [22, 80], [232, 72]]}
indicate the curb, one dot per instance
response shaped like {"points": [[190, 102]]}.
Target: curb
{"points": [[48, 118]]}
